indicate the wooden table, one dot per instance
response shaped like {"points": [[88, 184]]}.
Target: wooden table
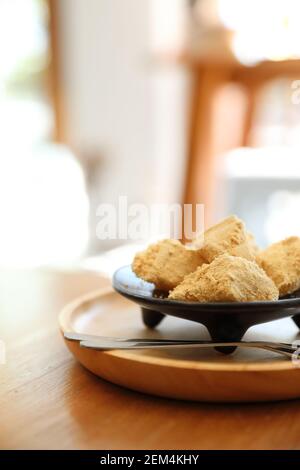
{"points": [[48, 401]]}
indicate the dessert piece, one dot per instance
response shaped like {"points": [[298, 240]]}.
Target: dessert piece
{"points": [[228, 236], [227, 279], [249, 249], [281, 262], [166, 263]]}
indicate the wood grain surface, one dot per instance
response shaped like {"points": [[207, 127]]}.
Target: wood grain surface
{"points": [[49, 401]]}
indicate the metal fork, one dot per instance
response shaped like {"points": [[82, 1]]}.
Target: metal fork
{"points": [[104, 343]]}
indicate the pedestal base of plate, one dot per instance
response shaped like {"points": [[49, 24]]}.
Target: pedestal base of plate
{"points": [[226, 332], [151, 318]]}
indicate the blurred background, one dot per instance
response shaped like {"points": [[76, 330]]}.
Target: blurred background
{"points": [[161, 101]]}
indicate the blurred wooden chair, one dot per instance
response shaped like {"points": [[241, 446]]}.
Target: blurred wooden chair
{"points": [[211, 71]]}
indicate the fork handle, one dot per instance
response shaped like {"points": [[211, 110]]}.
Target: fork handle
{"points": [[106, 346]]}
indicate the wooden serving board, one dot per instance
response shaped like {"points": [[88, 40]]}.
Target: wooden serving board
{"points": [[192, 374]]}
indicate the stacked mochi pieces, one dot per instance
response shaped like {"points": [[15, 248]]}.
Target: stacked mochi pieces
{"points": [[222, 265]]}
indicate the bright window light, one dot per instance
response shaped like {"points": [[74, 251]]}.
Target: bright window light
{"points": [[43, 200], [263, 29]]}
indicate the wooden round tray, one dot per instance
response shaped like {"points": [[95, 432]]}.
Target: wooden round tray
{"points": [[190, 374]]}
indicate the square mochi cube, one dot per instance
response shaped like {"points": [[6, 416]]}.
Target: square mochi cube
{"points": [[281, 262], [227, 279], [228, 236], [166, 263]]}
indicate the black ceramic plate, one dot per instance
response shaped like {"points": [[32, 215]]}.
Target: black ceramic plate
{"points": [[225, 321]]}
